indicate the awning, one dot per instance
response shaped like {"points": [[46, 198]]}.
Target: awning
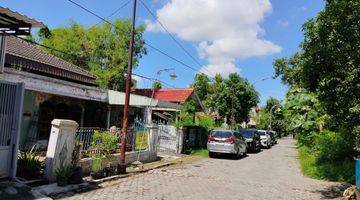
{"points": [[118, 98]]}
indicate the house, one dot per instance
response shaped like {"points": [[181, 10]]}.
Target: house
{"points": [[177, 96], [55, 88], [43, 87], [11, 94]]}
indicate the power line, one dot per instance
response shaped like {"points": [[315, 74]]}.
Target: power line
{"points": [[169, 56], [147, 44], [154, 80], [75, 56], [116, 11], [171, 36], [47, 47], [91, 12]]}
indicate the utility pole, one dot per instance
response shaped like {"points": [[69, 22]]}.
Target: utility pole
{"points": [[122, 165], [271, 110]]}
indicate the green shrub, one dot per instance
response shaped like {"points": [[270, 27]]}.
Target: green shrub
{"points": [[307, 162], [104, 144], [332, 147], [96, 165], [342, 170], [63, 174], [29, 166], [206, 121]]}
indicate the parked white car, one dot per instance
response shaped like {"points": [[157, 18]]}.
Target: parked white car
{"points": [[227, 142], [265, 138]]}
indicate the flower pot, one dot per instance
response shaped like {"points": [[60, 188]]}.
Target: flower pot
{"points": [[76, 176], [97, 175]]}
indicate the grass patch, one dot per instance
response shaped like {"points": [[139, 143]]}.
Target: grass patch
{"points": [[343, 171], [200, 152]]}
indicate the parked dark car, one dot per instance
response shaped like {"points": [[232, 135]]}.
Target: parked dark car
{"points": [[273, 137], [252, 139]]}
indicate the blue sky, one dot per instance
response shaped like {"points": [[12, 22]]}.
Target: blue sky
{"points": [[279, 24]]}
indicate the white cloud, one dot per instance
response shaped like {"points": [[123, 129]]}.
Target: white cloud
{"points": [[224, 30]]}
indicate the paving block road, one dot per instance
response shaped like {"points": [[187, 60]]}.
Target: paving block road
{"points": [[271, 174]]}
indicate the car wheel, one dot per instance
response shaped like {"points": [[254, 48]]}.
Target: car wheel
{"points": [[211, 154], [238, 154], [245, 153]]}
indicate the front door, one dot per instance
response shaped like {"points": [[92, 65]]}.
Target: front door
{"points": [[11, 100]]}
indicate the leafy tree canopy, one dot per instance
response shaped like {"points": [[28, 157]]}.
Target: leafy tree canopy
{"points": [[101, 49], [201, 85], [233, 98], [329, 61]]}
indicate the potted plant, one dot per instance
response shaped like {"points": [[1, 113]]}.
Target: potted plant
{"points": [[63, 174], [102, 147], [76, 174], [29, 166]]}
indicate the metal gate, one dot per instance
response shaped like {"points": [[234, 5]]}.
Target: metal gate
{"points": [[169, 139], [11, 101]]}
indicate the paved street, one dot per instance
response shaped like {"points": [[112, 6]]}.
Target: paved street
{"points": [[271, 174]]}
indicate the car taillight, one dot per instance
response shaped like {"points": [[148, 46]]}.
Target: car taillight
{"points": [[211, 138], [230, 139]]}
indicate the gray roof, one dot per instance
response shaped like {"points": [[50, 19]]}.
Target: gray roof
{"points": [[31, 57]]}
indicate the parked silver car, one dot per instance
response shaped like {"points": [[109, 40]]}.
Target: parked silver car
{"points": [[226, 141], [265, 139]]}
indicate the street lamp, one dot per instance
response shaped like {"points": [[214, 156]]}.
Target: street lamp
{"points": [[260, 80], [271, 109], [158, 73]]}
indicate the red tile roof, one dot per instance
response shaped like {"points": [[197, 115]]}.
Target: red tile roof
{"points": [[169, 95]]}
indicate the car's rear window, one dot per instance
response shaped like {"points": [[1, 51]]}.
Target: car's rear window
{"points": [[221, 134], [262, 132], [247, 133]]}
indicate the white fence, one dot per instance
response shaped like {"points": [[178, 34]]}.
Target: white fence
{"points": [[170, 139]]}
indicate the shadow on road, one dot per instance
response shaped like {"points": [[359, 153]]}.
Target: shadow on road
{"points": [[333, 192], [92, 187], [229, 157]]}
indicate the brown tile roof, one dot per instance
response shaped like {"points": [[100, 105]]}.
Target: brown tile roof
{"points": [[14, 18], [30, 56]]}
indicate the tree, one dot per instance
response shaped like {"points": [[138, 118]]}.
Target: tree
{"points": [[276, 116], [156, 85], [270, 103], [201, 85], [101, 49], [329, 62], [233, 98]]}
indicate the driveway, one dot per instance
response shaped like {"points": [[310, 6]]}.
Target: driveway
{"points": [[270, 174]]}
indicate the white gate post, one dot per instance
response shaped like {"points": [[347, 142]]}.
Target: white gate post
{"points": [[153, 137], [60, 147], [180, 139]]}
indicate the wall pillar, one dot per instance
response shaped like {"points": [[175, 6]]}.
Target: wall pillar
{"points": [[148, 115], [108, 117], [82, 116], [60, 147], [153, 138], [180, 139], [2, 52]]}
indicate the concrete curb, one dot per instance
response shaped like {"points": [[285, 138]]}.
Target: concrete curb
{"points": [[42, 192]]}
